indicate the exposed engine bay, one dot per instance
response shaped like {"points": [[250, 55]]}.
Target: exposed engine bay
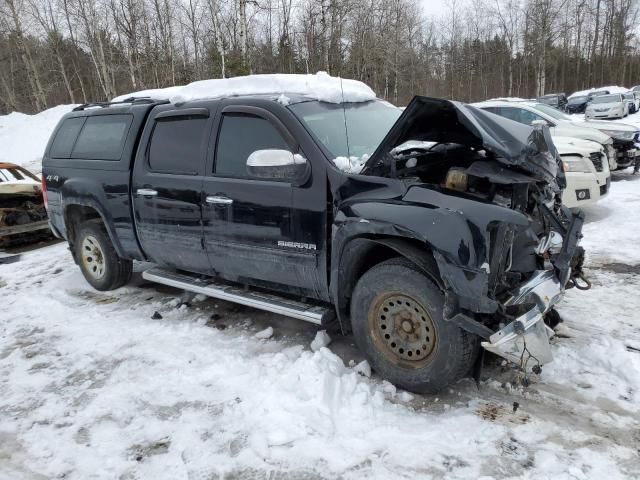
{"points": [[523, 260]]}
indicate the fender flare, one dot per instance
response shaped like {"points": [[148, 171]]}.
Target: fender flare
{"points": [[108, 225]]}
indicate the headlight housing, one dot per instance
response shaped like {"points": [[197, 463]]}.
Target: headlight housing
{"points": [[576, 164], [628, 136]]}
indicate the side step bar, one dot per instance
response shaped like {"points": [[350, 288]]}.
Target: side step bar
{"points": [[263, 301]]}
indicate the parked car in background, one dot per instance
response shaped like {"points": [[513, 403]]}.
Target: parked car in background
{"points": [[555, 100], [586, 171], [22, 211], [559, 123], [619, 140], [612, 105], [597, 93], [636, 88], [577, 104], [630, 100]]}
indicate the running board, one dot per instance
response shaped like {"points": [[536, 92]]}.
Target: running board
{"points": [[263, 301]]}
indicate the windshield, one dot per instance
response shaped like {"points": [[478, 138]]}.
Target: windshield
{"points": [[367, 123], [574, 100], [606, 99], [549, 100], [552, 112]]}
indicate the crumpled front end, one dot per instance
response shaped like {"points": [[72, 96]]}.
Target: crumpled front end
{"points": [[525, 341], [526, 276]]}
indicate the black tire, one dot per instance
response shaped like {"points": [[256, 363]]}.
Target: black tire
{"points": [[444, 352], [99, 262]]}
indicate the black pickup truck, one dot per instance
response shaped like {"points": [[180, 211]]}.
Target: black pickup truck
{"points": [[449, 236]]}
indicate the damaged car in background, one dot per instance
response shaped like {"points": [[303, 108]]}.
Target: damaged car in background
{"points": [[449, 236], [22, 210]]}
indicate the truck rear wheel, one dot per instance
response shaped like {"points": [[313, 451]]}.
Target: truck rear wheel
{"points": [[98, 260], [397, 320]]}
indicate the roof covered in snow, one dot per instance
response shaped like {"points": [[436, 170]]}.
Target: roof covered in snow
{"points": [[320, 86], [611, 89]]}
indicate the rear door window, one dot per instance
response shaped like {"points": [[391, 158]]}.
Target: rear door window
{"points": [[177, 145], [102, 137], [66, 137]]}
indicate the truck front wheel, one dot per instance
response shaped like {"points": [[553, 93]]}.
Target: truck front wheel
{"points": [[398, 323], [98, 260]]}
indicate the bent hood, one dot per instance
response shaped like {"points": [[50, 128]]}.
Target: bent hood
{"points": [[443, 121]]}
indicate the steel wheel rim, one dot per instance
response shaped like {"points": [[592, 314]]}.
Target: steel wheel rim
{"points": [[403, 329], [93, 257]]}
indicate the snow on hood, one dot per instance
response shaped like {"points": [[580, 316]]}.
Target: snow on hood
{"points": [[443, 121], [23, 138], [611, 89], [320, 86]]}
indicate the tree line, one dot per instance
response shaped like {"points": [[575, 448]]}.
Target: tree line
{"points": [[77, 51]]}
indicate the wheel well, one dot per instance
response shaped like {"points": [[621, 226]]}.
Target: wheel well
{"points": [[76, 215], [362, 254]]}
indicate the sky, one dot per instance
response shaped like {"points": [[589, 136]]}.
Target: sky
{"points": [[434, 7]]}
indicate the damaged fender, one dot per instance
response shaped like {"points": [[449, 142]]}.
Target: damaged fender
{"points": [[464, 265]]}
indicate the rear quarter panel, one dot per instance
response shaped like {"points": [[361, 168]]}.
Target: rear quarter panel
{"points": [[103, 185]]}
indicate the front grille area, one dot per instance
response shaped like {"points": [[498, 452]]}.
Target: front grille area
{"points": [[596, 158]]}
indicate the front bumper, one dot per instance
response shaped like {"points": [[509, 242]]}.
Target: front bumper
{"points": [[584, 189], [525, 341], [604, 115]]}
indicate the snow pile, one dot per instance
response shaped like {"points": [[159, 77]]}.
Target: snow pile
{"points": [[320, 86], [23, 138], [321, 340], [611, 89], [351, 164], [265, 334]]}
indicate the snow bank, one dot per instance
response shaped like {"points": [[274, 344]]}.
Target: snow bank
{"points": [[23, 138], [320, 86], [611, 88]]}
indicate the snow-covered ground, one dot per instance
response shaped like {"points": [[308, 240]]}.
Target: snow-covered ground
{"points": [[98, 386], [92, 387], [23, 138]]}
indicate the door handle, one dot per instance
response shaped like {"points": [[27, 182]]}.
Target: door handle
{"points": [[146, 192], [219, 200]]}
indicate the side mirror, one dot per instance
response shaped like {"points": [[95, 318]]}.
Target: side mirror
{"points": [[539, 123], [274, 164]]}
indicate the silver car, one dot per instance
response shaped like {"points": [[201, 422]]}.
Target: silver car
{"points": [[612, 105]]}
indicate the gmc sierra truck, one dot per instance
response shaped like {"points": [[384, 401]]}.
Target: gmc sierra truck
{"points": [[443, 234]]}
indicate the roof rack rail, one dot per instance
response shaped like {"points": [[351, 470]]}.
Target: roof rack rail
{"points": [[132, 100]]}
